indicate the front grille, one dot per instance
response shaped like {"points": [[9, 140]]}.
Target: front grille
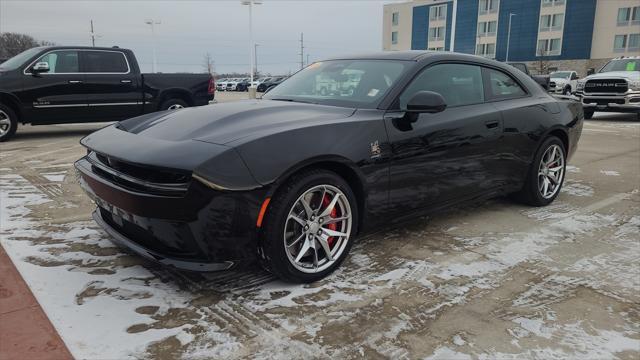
{"points": [[602, 101], [552, 85], [140, 178], [617, 86]]}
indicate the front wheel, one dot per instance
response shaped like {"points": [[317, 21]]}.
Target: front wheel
{"points": [[546, 174], [567, 91], [8, 123], [309, 227]]}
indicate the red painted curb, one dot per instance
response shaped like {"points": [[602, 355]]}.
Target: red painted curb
{"points": [[25, 331]]}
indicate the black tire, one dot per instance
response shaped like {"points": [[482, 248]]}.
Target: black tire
{"points": [[171, 104], [530, 194], [7, 130], [588, 114], [272, 244], [567, 91]]}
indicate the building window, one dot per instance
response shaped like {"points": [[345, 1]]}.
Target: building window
{"points": [[626, 14], [551, 22], [620, 43], [436, 33], [487, 28], [394, 18], [486, 50], [438, 12], [634, 42], [546, 3], [549, 47], [394, 37], [488, 6]]}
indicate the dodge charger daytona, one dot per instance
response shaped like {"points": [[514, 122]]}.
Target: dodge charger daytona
{"points": [[292, 178]]}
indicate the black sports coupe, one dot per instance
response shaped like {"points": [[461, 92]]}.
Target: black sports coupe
{"points": [[291, 179]]}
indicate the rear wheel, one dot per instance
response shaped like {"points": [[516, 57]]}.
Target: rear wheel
{"points": [[588, 114], [8, 123], [546, 174], [173, 104], [309, 227]]}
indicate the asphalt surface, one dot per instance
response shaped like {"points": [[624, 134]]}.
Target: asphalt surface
{"points": [[495, 280]]}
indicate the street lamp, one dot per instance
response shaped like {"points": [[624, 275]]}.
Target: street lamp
{"points": [[152, 23], [255, 58], [509, 36], [250, 3]]}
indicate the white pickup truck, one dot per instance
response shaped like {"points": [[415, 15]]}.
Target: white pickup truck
{"points": [[563, 82], [615, 88]]}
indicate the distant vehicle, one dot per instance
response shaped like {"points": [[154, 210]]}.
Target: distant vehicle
{"points": [[221, 84], [543, 80], [63, 84], [563, 82], [265, 86], [257, 82], [232, 84], [243, 85], [292, 179], [615, 88]]}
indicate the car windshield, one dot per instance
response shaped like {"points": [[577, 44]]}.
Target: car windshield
{"points": [[352, 83], [560, 75], [622, 65], [19, 60]]}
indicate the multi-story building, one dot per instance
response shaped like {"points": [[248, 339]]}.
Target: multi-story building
{"points": [[547, 34]]}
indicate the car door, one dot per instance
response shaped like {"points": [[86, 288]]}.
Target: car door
{"points": [[57, 95], [113, 91], [522, 116], [441, 157]]}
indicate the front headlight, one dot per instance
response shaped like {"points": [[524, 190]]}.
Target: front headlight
{"points": [[634, 85], [580, 85]]}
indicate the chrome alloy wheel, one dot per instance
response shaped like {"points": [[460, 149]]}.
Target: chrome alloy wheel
{"points": [[551, 171], [5, 123], [318, 228], [175, 107]]}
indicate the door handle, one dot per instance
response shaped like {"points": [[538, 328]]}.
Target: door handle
{"points": [[492, 124], [125, 81], [75, 81]]}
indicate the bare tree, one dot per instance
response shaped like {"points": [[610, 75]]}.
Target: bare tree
{"points": [[208, 63], [13, 43]]}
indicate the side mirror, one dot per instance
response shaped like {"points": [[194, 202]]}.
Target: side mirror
{"points": [[591, 71], [40, 67], [426, 102]]}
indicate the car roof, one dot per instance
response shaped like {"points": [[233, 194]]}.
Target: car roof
{"points": [[48, 48], [412, 55]]}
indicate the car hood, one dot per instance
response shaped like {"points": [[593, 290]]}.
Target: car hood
{"points": [[227, 122], [633, 75]]}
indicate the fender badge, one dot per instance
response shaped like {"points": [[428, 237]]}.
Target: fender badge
{"points": [[376, 152]]}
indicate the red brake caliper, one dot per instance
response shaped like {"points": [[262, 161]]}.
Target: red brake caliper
{"points": [[334, 213]]}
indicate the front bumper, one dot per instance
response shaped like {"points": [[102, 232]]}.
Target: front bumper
{"points": [[201, 230], [608, 102]]}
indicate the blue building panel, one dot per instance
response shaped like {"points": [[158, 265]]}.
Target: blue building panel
{"points": [[578, 29], [420, 27], [524, 30], [447, 39], [466, 27]]}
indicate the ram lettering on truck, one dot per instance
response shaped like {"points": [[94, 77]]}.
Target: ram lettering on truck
{"points": [[63, 84]]}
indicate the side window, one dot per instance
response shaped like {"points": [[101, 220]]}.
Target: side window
{"points": [[459, 84], [503, 86], [63, 61], [105, 62]]}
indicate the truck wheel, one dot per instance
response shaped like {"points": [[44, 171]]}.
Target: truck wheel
{"points": [[588, 114], [173, 104], [567, 91], [8, 123]]}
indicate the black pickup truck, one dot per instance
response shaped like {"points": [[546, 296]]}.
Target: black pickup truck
{"points": [[543, 80], [62, 84]]}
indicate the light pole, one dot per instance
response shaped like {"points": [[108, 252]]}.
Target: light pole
{"points": [[509, 36], [152, 23], [255, 59], [252, 48]]}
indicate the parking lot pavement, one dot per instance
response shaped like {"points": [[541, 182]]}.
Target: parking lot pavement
{"points": [[495, 280]]}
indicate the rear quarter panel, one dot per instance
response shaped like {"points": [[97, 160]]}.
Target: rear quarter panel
{"points": [[159, 87]]}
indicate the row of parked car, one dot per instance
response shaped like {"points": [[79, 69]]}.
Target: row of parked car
{"points": [[242, 84]]}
